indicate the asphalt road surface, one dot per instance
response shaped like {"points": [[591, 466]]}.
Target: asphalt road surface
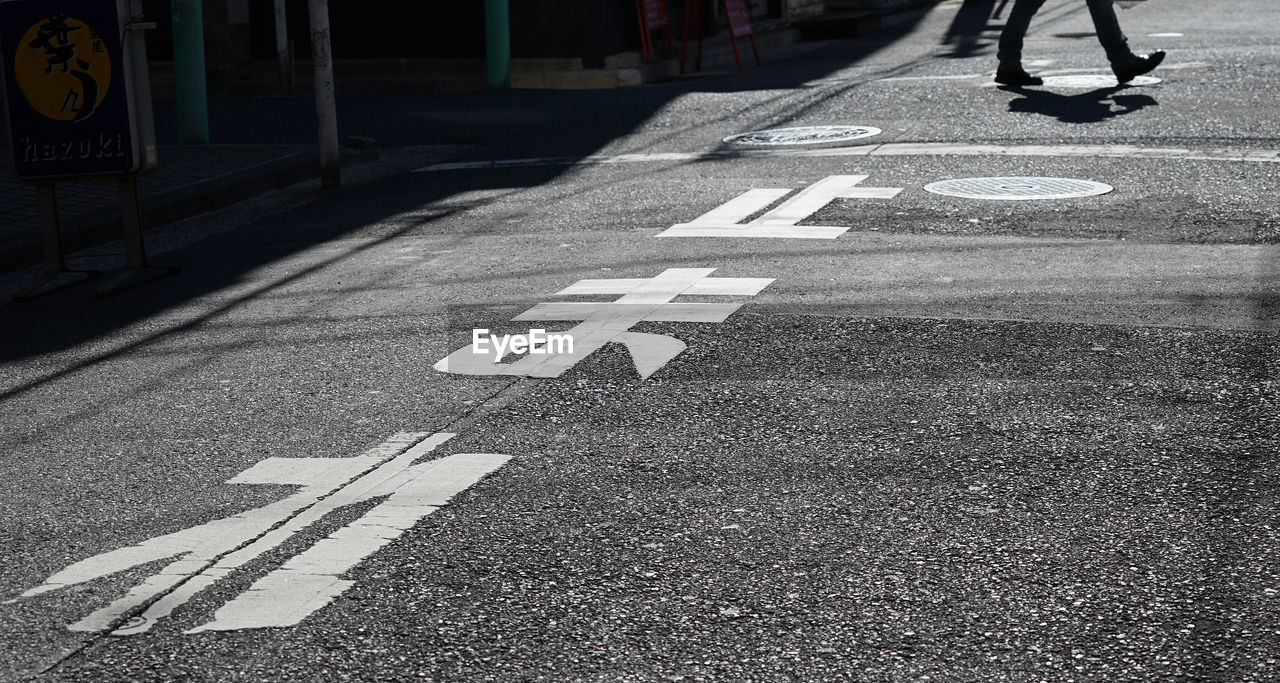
{"points": [[818, 422]]}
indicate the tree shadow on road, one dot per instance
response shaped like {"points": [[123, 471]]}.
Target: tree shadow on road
{"points": [[1088, 107]]}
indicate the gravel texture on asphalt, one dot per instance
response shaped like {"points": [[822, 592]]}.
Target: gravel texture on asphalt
{"points": [[899, 499]]}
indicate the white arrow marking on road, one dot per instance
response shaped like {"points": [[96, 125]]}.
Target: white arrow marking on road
{"points": [[610, 321], [781, 222], [309, 581]]}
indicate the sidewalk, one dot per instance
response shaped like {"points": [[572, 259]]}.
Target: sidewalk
{"points": [[775, 39], [189, 180]]}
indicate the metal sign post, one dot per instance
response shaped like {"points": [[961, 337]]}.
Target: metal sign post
{"points": [[56, 271], [79, 99], [284, 48], [326, 104]]}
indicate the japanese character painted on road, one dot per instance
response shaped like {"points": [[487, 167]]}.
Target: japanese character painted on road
{"points": [[643, 300], [205, 554]]}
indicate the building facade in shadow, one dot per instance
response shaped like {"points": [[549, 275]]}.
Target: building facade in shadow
{"points": [[241, 33]]}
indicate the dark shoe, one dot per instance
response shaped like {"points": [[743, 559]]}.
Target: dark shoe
{"points": [[1017, 77], [1136, 66]]}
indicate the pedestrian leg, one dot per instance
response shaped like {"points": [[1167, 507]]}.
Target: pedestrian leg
{"points": [[1124, 63], [1109, 33], [1015, 28]]}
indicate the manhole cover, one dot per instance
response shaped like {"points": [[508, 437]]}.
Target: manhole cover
{"points": [[1094, 81], [1018, 188], [804, 135]]}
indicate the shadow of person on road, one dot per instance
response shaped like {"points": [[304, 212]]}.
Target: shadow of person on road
{"points": [[1088, 107], [973, 32]]}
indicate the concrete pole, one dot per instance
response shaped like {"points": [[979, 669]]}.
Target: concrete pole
{"points": [[188, 72], [282, 48], [326, 104], [497, 43]]}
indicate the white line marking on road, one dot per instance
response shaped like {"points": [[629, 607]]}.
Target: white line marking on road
{"points": [[743, 205], [940, 77], [603, 322], [1103, 80], [309, 580], [986, 75], [211, 551], [888, 149], [1095, 81], [1164, 35], [782, 222]]}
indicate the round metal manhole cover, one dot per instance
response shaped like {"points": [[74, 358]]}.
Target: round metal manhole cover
{"points": [[1095, 81], [803, 135], [1018, 188]]}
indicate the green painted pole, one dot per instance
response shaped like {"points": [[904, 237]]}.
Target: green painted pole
{"points": [[497, 43], [188, 72]]}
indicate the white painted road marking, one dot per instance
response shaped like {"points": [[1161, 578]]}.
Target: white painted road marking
{"points": [[309, 581], [781, 222], [987, 75], [1088, 81], [891, 79], [886, 149], [643, 300]]}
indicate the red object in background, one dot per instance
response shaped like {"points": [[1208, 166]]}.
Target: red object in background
{"points": [[652, 15], [655, 13], [735, 13]]}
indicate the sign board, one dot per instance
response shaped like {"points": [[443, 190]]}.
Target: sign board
{"points": [[76, 86], [655, 14], [739, 19]]}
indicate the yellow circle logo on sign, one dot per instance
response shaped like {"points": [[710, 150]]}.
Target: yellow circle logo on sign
{"points": [[62, 68]]}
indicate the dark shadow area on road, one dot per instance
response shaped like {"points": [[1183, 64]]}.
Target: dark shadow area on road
{"points": [[497, 124], [1089, 107], [972, 31], [44, 335], [977, 25]]}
